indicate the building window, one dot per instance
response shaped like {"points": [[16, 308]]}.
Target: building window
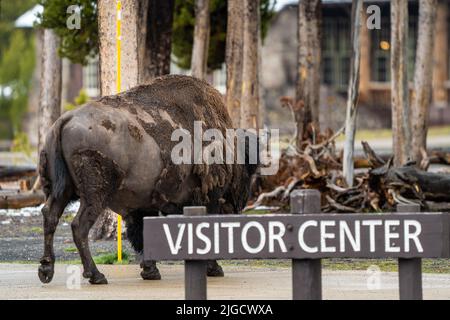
{"points": [[91, 79], [336, 52], [380, 43]]}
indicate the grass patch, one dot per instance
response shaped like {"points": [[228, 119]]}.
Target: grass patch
{"points": [[68, 218], [35, 230], [71, 249], [387, 133], [111, 258]]}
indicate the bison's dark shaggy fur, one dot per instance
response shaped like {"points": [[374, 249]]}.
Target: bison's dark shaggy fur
{"points": [[115, 153]]}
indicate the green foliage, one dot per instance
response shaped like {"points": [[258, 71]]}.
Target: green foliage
{"points": [[21, 144], [111, 258], [76, 44], [183, 30], [16, 65], [16, 71], [81, 99], [9, 11]]}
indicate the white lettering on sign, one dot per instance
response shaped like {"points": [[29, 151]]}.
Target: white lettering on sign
{"points": [[276, 236], [190, 239], [324, 235], [301, 236], [174, 247], [262, 237], [204, 238], [355, 240], [216, 238], [230, 226], [372, 224], [312, 236], [390, 227], [414, 236]]}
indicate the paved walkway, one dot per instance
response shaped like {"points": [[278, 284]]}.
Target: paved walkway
{"points": [[21, 282]]}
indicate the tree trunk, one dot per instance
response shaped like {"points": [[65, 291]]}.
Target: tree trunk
{"points": [[234, 57], [131, 57], [157, 27], [423, 76], [250, 72], [309, 57], [399, 83], [353, 92], [51, 78], [201, 39]]}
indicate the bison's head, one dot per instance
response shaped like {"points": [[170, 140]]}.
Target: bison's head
{"points": [[238, 192]]}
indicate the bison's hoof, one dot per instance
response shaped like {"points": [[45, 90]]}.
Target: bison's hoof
{"points": [[98, 278], [214, 270], [46, 272], [151, 274]]}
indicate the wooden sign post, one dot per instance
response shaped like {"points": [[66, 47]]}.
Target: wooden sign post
{"points": [[195, 270], [410, 270], [306, 273]]}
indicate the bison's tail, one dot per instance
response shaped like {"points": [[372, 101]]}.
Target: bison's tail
{"points": [[55, 177]]}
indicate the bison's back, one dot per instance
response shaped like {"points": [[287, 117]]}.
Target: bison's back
{"points": [[174, 102]]}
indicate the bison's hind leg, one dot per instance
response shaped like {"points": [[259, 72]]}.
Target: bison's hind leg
{"points": [[51, 212], [97, 180], [135, 228]]}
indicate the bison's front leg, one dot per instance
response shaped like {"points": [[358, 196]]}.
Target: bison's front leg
{"points": [[51, 213], [213, 269], [150, 271], [85, 219]]}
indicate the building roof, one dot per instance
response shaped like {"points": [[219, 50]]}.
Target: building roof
{"points": [[29, 18]]}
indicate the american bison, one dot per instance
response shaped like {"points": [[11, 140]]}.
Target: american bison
{"points": [[116, 153]]}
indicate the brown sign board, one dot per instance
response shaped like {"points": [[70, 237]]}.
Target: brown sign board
{"points": [[312, 236]]}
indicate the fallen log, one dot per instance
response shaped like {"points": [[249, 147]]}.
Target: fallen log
{"points": [[434, 157], [21, 200], [14, 173], [410, 181]]}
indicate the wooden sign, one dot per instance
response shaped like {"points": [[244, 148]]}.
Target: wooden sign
{"points": [[312, 236]]}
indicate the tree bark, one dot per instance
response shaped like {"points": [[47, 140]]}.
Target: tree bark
{"points": [[309, 57], [399, 83], [353, 92], [234, 58], [157, 27], [51, 78], [423, 77], [199, 60], [132, 43], [250, 73]]}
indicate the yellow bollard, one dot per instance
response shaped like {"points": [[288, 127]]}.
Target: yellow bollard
{"points": [[118, 40]]}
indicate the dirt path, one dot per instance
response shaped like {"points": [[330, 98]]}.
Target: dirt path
{"points": [[21, 282]]}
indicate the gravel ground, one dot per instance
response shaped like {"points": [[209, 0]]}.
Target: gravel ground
{"points": [[21, 237]]}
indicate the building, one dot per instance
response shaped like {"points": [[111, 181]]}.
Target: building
{"points": [[280, 63]]}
